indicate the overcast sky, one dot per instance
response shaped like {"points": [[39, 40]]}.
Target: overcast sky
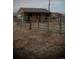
{"points": [[56, 5]]}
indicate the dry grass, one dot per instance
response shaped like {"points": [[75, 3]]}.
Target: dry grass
{"points": [[37, 44]]}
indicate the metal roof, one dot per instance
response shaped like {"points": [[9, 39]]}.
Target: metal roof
{"points": [[34, 10]]}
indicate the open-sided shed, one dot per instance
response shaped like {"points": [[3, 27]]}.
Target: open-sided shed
{"points": [[33, 15]]}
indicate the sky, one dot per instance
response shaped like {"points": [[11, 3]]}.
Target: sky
{"points": [[55, 5]]}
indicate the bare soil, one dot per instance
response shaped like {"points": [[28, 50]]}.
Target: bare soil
{"points": [[30, 44]]}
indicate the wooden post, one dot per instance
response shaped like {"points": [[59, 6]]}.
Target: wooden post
{"points": [[22, 18], [48, 21], [38, 20], [59, 25], [30, 23]]}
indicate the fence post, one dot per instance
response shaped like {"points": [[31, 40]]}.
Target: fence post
{"points": [[60, 25], [38, 21], [30, 23], [48, 21]]}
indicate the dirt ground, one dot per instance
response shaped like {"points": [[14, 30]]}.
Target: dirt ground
{"points": [[29, 44]]}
